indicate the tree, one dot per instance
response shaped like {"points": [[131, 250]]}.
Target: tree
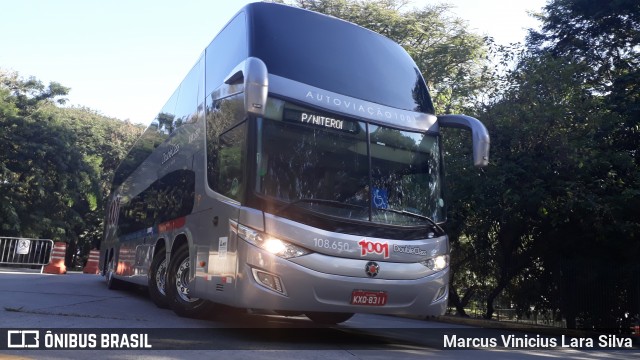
{"points": [[604, 36], [557, 209], [28, 94], [539, 127], [603, 229], [55, 163]]}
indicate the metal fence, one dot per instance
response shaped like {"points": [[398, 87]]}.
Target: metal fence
{"points": [[23, 252]]}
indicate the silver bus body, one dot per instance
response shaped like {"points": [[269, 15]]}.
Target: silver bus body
{"points": [[212, 185]]}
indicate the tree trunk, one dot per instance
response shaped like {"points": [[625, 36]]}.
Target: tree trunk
{"points": [[490, 299], [461, 303], [455, 300]]}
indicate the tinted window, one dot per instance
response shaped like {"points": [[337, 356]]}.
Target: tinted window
{"points": [[226, 51], [405, 175], [175, 195], [167, 115], [168, 198], [336, 166], [317, 167], [188, 99], [221, 116], [143, 147], [231, 155], [338, 56]]}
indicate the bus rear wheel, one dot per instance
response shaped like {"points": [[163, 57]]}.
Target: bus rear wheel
{"points": [[158, 280], [177, 289], [328, 318]]}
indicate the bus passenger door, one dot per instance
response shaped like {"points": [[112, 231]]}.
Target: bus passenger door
{"points": [[226, 133]]}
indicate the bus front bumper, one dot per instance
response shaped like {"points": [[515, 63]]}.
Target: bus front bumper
{"points": [[267, 282]]}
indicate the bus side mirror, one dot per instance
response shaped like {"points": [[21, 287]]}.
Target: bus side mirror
{"points": [[479, 134], [253, 73]]}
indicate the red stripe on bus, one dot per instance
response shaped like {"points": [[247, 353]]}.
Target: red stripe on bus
{"points": [[172, 224]]}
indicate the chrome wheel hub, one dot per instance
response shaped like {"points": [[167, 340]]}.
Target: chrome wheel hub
{"points": [[161, 277], [182, 281]]}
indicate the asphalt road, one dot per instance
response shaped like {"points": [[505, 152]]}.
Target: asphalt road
{"points": [[80, 305]]}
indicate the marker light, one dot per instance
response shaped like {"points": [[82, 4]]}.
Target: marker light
{"points": [[268, 280], [441, 293], [273, 245]]}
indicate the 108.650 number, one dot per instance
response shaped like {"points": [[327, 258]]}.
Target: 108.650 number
{"points": [[331, 245]]}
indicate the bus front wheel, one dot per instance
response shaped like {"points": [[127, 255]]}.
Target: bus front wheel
{"points": [[177, 290]]}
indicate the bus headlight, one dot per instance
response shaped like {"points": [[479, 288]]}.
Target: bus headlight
{"points": [[273, 245], [437, 263]]}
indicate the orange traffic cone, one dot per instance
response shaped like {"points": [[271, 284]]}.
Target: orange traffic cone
{"points": [[92, 263], [56, 265]]}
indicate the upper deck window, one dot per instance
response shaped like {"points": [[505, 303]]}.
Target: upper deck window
{"points": [[226, 51], [337, 56]]}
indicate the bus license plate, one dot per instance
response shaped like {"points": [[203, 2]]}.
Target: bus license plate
{"points": [[369, 298]]}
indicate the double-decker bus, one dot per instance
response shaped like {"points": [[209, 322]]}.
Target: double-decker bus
{"points": [[296, 169]]}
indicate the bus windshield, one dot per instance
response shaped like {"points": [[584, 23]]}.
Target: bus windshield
{"points": [[346, 168]]}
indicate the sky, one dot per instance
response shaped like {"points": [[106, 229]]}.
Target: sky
{"points": [[124, 58]]}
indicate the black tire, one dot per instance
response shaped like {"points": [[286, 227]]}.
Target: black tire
{"points": [[109, 274], [158, 280], [177, 291], [328, 318]]}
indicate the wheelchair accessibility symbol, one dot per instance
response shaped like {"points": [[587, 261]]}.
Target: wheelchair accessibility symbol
{"points": [[380, 198]]}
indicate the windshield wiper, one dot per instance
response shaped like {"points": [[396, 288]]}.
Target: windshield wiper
{"points": [[420, 216], [319, 201]]}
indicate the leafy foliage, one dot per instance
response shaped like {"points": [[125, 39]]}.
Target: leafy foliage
{"points": [[55, 163], [557, 210]]}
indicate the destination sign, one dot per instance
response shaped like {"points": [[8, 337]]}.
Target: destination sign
{"points": [[306, 117]]}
